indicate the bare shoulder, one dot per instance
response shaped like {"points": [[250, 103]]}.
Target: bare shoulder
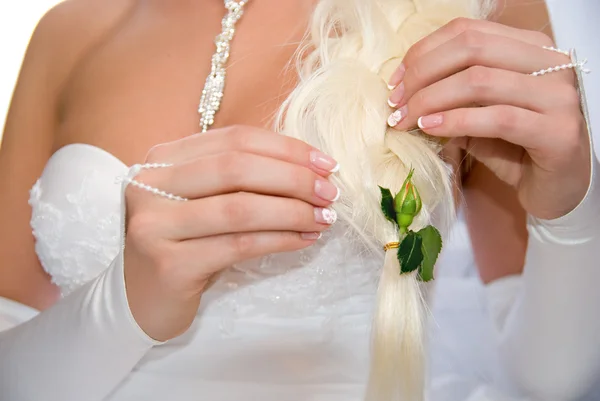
{"points": [[87, 15], [73, 27], [62, 37]]}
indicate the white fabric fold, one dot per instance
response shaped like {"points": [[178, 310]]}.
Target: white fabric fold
{"points": [[548, 340], [13, 313], [79, 349]]}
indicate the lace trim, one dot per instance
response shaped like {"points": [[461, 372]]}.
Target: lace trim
{"points": [[76, 239], [75, 244]]}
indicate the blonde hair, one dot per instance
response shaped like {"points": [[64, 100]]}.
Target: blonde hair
{"points": [[339, 106]]}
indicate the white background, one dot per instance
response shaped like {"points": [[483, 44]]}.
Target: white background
{"points": [[576, 24], [17, 21]]}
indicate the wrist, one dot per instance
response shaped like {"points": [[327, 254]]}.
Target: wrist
{"points": [[580, 224]]}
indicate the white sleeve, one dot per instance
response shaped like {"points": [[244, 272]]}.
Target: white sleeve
{"points": [[79, 349], [548, 331]]}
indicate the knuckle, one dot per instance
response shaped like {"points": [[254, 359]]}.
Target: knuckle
{"points": [[242, 245], [472, 39], [237, 137], [235, 209], [461, 24], [478, 77], [230, 166], [461, 122], [413, 52], [474, 43], [505, 119]]}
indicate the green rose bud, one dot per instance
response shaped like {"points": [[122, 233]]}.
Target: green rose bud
{"points": [[407, 203]]}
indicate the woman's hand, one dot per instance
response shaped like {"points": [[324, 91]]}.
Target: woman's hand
{"points": [[251, 193], [470, 81]]}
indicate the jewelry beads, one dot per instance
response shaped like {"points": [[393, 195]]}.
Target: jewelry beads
{"points": [[554, 49], [578, 65], [146, 187], [573, 64], [212, 93]]}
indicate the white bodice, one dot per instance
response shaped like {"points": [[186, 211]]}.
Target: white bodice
{"points": [[294, 313], [75, 220], [76, 214]]}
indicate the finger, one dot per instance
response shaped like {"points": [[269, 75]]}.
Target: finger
{"points": [[244, 139], [457, 27], [461, 25], [244, 212], [482, 86], [235, 172], [475, 48], [515, 125], [202, 258]]}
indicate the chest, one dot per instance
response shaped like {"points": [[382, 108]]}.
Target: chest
{"points": [[140, 85]]}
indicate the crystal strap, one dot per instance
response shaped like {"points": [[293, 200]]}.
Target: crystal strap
{"points": [[215, 82]]}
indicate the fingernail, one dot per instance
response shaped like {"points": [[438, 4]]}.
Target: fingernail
{"points": [[397, 77], [325, 216], [310, 236], [397, 116], [432, 121], [324, 162], [326, 190], [396, 96]]}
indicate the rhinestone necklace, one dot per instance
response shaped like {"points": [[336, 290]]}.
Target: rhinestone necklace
{"points": [[215, 82]]}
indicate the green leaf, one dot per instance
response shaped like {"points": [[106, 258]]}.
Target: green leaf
{"points": [[410, 254], [431, 247], [387, 204]]}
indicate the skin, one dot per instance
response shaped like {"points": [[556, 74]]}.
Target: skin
{"points": [[530, 137], [100, 86]]}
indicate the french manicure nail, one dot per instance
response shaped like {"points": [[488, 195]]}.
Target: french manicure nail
{"points": [[397, 95], [397, 77], [325, 216], [324, 162], [326, 190], [432, 121], [397, 116], [310, 236]]}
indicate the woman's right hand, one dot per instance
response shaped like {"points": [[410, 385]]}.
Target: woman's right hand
{"points": [[251, 193]]}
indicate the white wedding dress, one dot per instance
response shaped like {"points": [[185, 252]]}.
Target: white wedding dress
{"points": [[286, 327], [291, 326]]}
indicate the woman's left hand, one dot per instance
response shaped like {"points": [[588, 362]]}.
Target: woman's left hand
{"points": [[470, 81]]}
